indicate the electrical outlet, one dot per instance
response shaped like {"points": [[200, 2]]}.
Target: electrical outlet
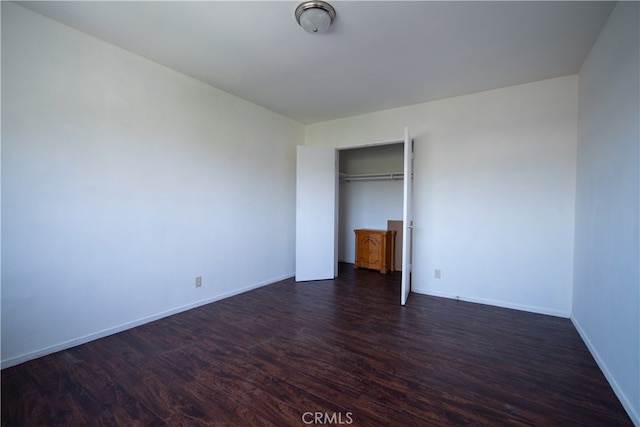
{"points": [[198, 281], [437, 273]]}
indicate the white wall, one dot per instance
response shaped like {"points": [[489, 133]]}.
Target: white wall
{"points": [[122, 181], [606, 301], [366, 204], [494, 191]]}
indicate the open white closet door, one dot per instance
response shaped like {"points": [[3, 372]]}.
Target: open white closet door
{"points": [[316, 214], [407, 217]]}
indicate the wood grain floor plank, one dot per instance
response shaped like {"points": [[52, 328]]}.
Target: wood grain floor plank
{"points": [[341, 348]]}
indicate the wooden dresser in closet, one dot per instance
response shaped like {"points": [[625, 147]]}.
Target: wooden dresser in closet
{"points": [[375, 249]]}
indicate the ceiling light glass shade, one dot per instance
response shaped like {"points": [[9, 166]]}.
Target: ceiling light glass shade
{"points": [[315, 16]]}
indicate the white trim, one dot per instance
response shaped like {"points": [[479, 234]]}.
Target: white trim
{"points": [[626, 404], [13, 361], [497, 303]]}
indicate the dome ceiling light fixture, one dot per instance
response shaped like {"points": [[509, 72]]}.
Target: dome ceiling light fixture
{"points": [[315, 16]]}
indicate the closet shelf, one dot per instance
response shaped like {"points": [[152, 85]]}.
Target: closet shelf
{"points": [[392, 176]]}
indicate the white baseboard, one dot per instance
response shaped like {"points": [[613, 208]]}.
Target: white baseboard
{"points": [[498, 303], [7, 363], [631, 411]]}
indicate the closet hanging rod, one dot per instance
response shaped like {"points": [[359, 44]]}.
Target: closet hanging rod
{"points": [[393, 176]]}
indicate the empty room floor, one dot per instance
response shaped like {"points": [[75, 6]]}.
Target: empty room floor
{"points": [[339, 351]]}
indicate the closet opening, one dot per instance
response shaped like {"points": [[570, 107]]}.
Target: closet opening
{"points": [[327, 214], [371, 198]]}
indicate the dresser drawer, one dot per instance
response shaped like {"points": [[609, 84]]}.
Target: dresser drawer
{"points": [[375, 249]]}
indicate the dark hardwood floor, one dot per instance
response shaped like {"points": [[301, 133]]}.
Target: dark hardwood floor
{"points": [[340, 351]]}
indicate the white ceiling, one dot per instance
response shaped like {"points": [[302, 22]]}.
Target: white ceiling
{"points": [[378, 55]]}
